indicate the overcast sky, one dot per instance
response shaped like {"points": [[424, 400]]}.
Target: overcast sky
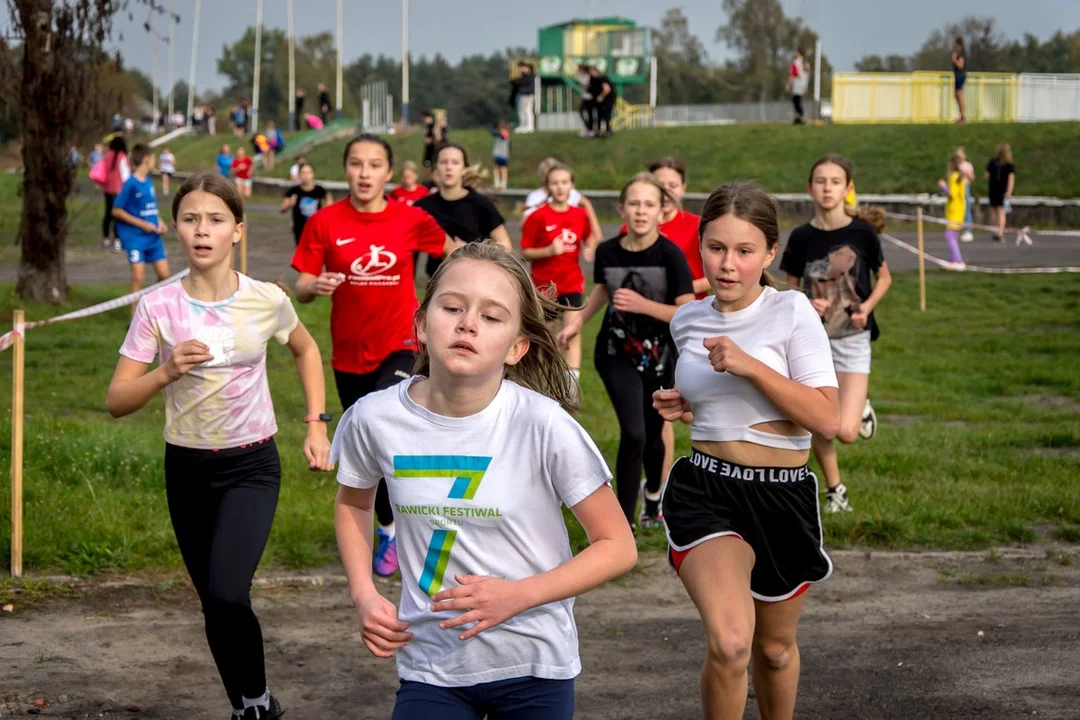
{"points": [[849, 29]]}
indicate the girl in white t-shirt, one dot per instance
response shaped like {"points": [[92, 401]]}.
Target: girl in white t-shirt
{"points": [[479, 454], [755, 377]]}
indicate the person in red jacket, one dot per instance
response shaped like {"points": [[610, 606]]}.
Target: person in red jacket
{"points": [[359, 251], [553, 238]]}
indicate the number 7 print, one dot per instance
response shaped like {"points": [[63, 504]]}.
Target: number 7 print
{"points": [[467, 471]]}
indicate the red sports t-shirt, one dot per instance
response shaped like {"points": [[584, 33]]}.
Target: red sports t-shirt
{"points": [[683, 231], [541, 229], [372, 311], [241, 168], [409, 196]]}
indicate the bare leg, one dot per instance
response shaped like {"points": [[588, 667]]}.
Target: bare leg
{"points": [[161, 269], [776, 657], [717, 577], [853, 389]]}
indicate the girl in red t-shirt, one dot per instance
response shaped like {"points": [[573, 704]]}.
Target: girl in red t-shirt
{"points": [[241, 170], [409, 191], [552, 239], [359, 251]]}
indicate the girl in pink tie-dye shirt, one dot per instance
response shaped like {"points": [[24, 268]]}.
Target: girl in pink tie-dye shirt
{"points": [[208, 333]]}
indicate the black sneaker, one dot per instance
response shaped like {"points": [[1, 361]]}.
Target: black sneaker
{"points": [[260, 713]]}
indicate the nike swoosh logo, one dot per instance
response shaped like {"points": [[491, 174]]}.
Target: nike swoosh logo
{"points": [[549, 228], [344, 241]]}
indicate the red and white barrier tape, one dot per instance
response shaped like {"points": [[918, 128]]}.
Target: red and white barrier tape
{"points": [[1023, 235], [976, 268], [8, 338]]}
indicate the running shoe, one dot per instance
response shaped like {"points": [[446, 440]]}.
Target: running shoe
{"points": [[650, 515], [106, 245], [260, 713], [116, 246], [386, 562], [836, 500], [967, 236], [868, 429]]}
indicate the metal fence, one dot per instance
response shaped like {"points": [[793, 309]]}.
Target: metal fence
{"points": [[1045, 97], [377, 107], [775, 111], [923, 97]]}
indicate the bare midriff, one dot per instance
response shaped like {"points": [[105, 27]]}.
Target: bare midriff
{"points": [[752, 454]]}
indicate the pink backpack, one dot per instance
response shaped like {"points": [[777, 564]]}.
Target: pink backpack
{"points": [[98, 173]]}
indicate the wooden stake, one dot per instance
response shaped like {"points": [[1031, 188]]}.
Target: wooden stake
{"points": [[17, 361], [243, 249], [922, 263]]}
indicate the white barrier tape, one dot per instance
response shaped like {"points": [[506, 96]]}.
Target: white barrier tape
{"points": [[1023, 234], [976, 268], [8, 338]]}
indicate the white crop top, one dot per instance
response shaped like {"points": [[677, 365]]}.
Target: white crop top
{"points": [[782, 330]]}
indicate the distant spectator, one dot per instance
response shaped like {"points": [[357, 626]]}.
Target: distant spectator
{"points": [[239, 120], [797, 82], [168, 169], [324, 104], [500, 155], [588, 103], [298, 104], [211, 120], [959, 68], [603, 92], [117, 172], [224, 160], [522, 97], [1002, 176], [96, 154], [73, 157]]}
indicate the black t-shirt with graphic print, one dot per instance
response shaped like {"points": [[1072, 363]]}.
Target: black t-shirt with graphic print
{"points": [[659, 273], [836, 265]]}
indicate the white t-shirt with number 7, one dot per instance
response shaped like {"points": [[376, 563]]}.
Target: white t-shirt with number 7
{"points": [[478, 495]]}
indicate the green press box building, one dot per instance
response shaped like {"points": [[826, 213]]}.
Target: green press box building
{"points": [[615, 45]]}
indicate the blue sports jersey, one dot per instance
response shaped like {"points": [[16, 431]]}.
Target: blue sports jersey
{"points": [[137, 198], [224, 164]]}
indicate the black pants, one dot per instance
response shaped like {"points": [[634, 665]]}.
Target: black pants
{"points": [[351, 387], [603, 121], [796, 100], [641, 440], [108, 221], [222, 504], [588, 114]]}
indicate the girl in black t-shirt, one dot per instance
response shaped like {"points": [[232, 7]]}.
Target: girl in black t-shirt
{"points": [[461, 211], [1002, 176], [641, 277], [304, 199], [833, 258]]}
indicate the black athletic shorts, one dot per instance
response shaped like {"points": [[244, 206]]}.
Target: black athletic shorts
{"points": [[774, 510], [570, 300], [396, 367]]}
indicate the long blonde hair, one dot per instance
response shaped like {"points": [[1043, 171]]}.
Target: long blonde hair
{"points": [[543, 367], [1004, 153]]}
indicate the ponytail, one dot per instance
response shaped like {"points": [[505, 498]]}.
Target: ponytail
{"points": [[870, 214]]}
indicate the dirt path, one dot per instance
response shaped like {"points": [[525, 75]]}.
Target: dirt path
{"points": [[891, 635], [271, 246]]}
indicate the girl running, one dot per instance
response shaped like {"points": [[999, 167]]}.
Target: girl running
{"points": [[410, 190], [118, 170], [461, 211], [642, 278], [955, 189], [241, 170], [359, 251], [834, 257], [552, 239], [1002, 176], [208, 333], [167, 163], [536, 198], [481, 457], [305, 199], [224, 160], [741, 513]]}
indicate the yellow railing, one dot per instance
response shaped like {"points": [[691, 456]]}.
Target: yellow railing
{"points": [[627, 116], [923, 97]]}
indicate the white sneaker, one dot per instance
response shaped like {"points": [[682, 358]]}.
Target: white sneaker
{"points": [[968, 236], [955, 266], [868, 429], [836, 500]]}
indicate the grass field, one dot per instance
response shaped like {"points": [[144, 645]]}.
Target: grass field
{"points": [[888, 158], [979, 402]]}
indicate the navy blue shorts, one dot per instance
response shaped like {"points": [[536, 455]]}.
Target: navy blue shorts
{"points": [[500, 161], [958, 80], [526, 698]]}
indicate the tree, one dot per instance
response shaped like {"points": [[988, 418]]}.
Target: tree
{"points": [[766, 41], [685, 75], [889, 63], [986, 47], [61, 61]]}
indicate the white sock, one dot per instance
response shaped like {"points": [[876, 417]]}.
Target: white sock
{"points": [[263, 702], [388, 530], [654, 497]]}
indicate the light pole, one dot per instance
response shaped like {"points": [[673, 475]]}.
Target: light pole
{"points": [[172, 62], [194, 58], [258, 67], [404, 67], [292, 71], [340, 56]]}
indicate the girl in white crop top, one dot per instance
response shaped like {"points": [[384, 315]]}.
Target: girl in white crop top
{"points": [[755, 378]]}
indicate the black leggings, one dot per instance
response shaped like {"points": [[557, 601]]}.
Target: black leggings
{"points": [[641, 439], [108, 221], [352, 386], [222, 504], [604, 110], [587, 112]]}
